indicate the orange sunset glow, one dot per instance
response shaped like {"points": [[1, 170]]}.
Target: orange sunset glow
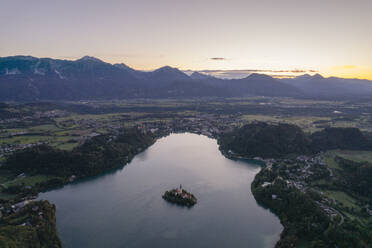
{"points": [[330, 37]]}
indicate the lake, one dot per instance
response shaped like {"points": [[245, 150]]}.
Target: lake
{"points": [[124, 208]]}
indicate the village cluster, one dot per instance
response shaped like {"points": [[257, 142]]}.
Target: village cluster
{"points": [[300, 173], [208, 125]]}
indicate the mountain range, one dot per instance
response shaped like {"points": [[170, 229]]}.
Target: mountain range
{"points": [[26, 78]]}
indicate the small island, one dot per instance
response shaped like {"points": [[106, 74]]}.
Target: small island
{"points": [[180, 196]]}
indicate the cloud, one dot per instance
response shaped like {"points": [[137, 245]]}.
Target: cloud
{"points": [[246, 72], [217, 58], [282, 76], [258, 71]]}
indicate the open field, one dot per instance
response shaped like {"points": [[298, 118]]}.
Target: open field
{"points": [[329, 159], [67, 124], [308, 123], [357, 156], [27, 181], [343, 198], [348, 203]]}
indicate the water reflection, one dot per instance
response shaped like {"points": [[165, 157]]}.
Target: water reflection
{"points": [[125, 208]]}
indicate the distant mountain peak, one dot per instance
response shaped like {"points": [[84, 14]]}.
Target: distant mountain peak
{"points": [[259, 76], [307, 76], [170, 71], [22, 57], [124, 66], [89, 58], [167, 68], [167, 74], [318, 76], [198, 75], [304, 76]]}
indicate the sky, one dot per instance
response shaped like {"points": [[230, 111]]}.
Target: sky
{"points": [[227, 37]]}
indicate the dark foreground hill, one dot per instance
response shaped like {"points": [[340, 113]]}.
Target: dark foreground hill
{"points": [[97, 155], [340, 138], [265, 140], [280, 140]]}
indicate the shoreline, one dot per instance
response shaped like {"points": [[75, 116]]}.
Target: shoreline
{"points": [[162, 135]]}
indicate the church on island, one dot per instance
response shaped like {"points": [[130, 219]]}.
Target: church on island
{"points": [[180, 196]]}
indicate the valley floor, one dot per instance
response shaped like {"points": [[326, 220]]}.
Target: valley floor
{"points": [[68, 125]]}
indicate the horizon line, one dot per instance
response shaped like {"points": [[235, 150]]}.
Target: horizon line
{"points": [[210, 72]]}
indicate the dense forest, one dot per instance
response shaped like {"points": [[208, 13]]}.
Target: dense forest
{"points": [[279, 140], [357, 176], [97, 155], [31, 227], [266, 140], [340, 138]]}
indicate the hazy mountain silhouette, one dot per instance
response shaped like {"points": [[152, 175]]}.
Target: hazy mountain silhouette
{"points": [[264, 85], [26, 78], [253, 85], [200, 76], [319, 87]]}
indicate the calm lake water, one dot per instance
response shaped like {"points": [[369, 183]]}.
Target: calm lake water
{"points": [[125, 208]]}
